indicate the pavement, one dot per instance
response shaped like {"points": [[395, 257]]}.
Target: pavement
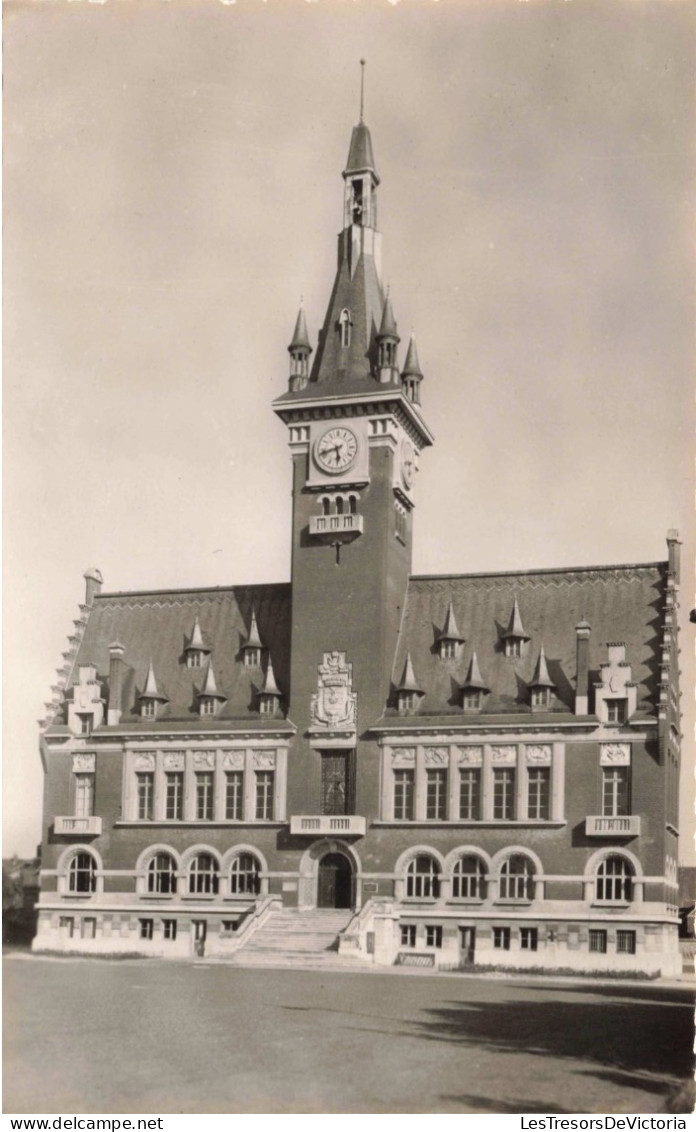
{"points": [[161, 1037]]}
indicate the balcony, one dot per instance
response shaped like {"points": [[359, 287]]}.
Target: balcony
{"points": [[348, 825], [628, 826], [78, 827], [339, 528]]}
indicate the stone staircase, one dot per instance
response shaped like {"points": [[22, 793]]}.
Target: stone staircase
{"points": [[292, 938]]}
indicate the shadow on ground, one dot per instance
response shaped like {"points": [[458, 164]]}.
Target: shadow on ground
{"points": [[630, 1044]]}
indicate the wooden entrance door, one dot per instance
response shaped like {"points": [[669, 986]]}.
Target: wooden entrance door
{"points": [[335, 882], [467, 940]]}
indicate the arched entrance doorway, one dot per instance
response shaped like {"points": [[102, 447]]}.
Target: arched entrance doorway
{"points": [[335, 882]]}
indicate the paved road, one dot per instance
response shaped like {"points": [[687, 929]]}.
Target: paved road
{"points": [[141, 1036]]}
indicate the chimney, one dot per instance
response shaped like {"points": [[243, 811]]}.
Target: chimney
{"points": [[116, 666], [93, 584], [582, 668], [673, 545]]}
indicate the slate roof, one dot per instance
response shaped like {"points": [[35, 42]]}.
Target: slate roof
{"points": [[360, 155], [158, 626], [621, 603]]}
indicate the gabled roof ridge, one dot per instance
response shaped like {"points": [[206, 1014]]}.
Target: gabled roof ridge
{"points": [[541, 570], [193, 590]]}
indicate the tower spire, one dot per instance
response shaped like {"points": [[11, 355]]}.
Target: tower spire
{"points": [[362, 88]]}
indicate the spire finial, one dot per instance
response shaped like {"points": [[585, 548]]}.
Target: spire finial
{"points": [[362, 87]]}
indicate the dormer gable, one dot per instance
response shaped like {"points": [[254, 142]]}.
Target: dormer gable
{"points": [[209, 699], [616, 694], [196, 650], [252, 649], [270, 694], [474, 690], [541, 686], [151, 699], [87, 708], [408, 692], [449, 640], [515, 638]]}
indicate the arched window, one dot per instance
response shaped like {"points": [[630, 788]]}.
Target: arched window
{"points": [[614, 880], [345, 325], [82, 875], [339, 505], [352, 505], [161, 874], [325, 506], [517, 879], [468, 879], [244, 875], [203, 874], [422, 878]]}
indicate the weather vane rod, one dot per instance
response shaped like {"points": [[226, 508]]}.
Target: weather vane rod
{"points": [[362, 87]]}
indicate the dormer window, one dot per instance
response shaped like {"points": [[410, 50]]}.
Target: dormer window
{"points": [[472, 699], [195, 658], [407, 702], [448, 650], [208, 705], [252, 649], [515, 637], [267, 704], [148, 708], [513, 647], [344, 322], [541, 697], [252, 657]]}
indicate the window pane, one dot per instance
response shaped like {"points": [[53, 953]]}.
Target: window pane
{"points": [[175, 796], [470, 794], [468, 879], [203, 875], [436, 795], [204, 796], [145, 784], [84, 795], [539, 793], [422, 878], [615, 792], [403, 795], [234, 795], [161, 874], [264, 794], [81, 873], [504, 795], [244, 875]]}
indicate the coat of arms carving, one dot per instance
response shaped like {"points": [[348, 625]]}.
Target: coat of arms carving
{"points": [[334, 705]]}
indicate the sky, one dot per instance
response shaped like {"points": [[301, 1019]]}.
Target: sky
{"points": [[172, 187]]}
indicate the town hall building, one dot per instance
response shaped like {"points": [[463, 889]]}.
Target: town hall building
{"points": [[364, 763]]}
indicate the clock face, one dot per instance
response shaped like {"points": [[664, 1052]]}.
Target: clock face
{"points": [[336, 450], [408, 463]]}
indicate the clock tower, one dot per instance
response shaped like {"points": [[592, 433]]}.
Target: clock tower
{"points": [[356, 433]]}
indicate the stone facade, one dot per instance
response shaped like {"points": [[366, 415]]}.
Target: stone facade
{"points": [[484, 768]]}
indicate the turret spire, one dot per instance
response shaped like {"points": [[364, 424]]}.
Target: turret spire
{"points": [[362, 87], [299, 350]]}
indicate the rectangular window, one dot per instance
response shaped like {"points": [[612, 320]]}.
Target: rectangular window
{"points": [[84, 795], [598, 940], [408, 935], [436, 795], [504, 795], [85, 724], [264, 795], [470, 794], [616, 711], [337, 783], [626, 943], [67, 926], [169, 929], [175, 796], [433, 935], [404, 792], [204, 795], [146, 929], [234, 795], [145, 783], [539, 793], [615, 781], [88, 927], [501, 938], [229, 926], [529, 939]]}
